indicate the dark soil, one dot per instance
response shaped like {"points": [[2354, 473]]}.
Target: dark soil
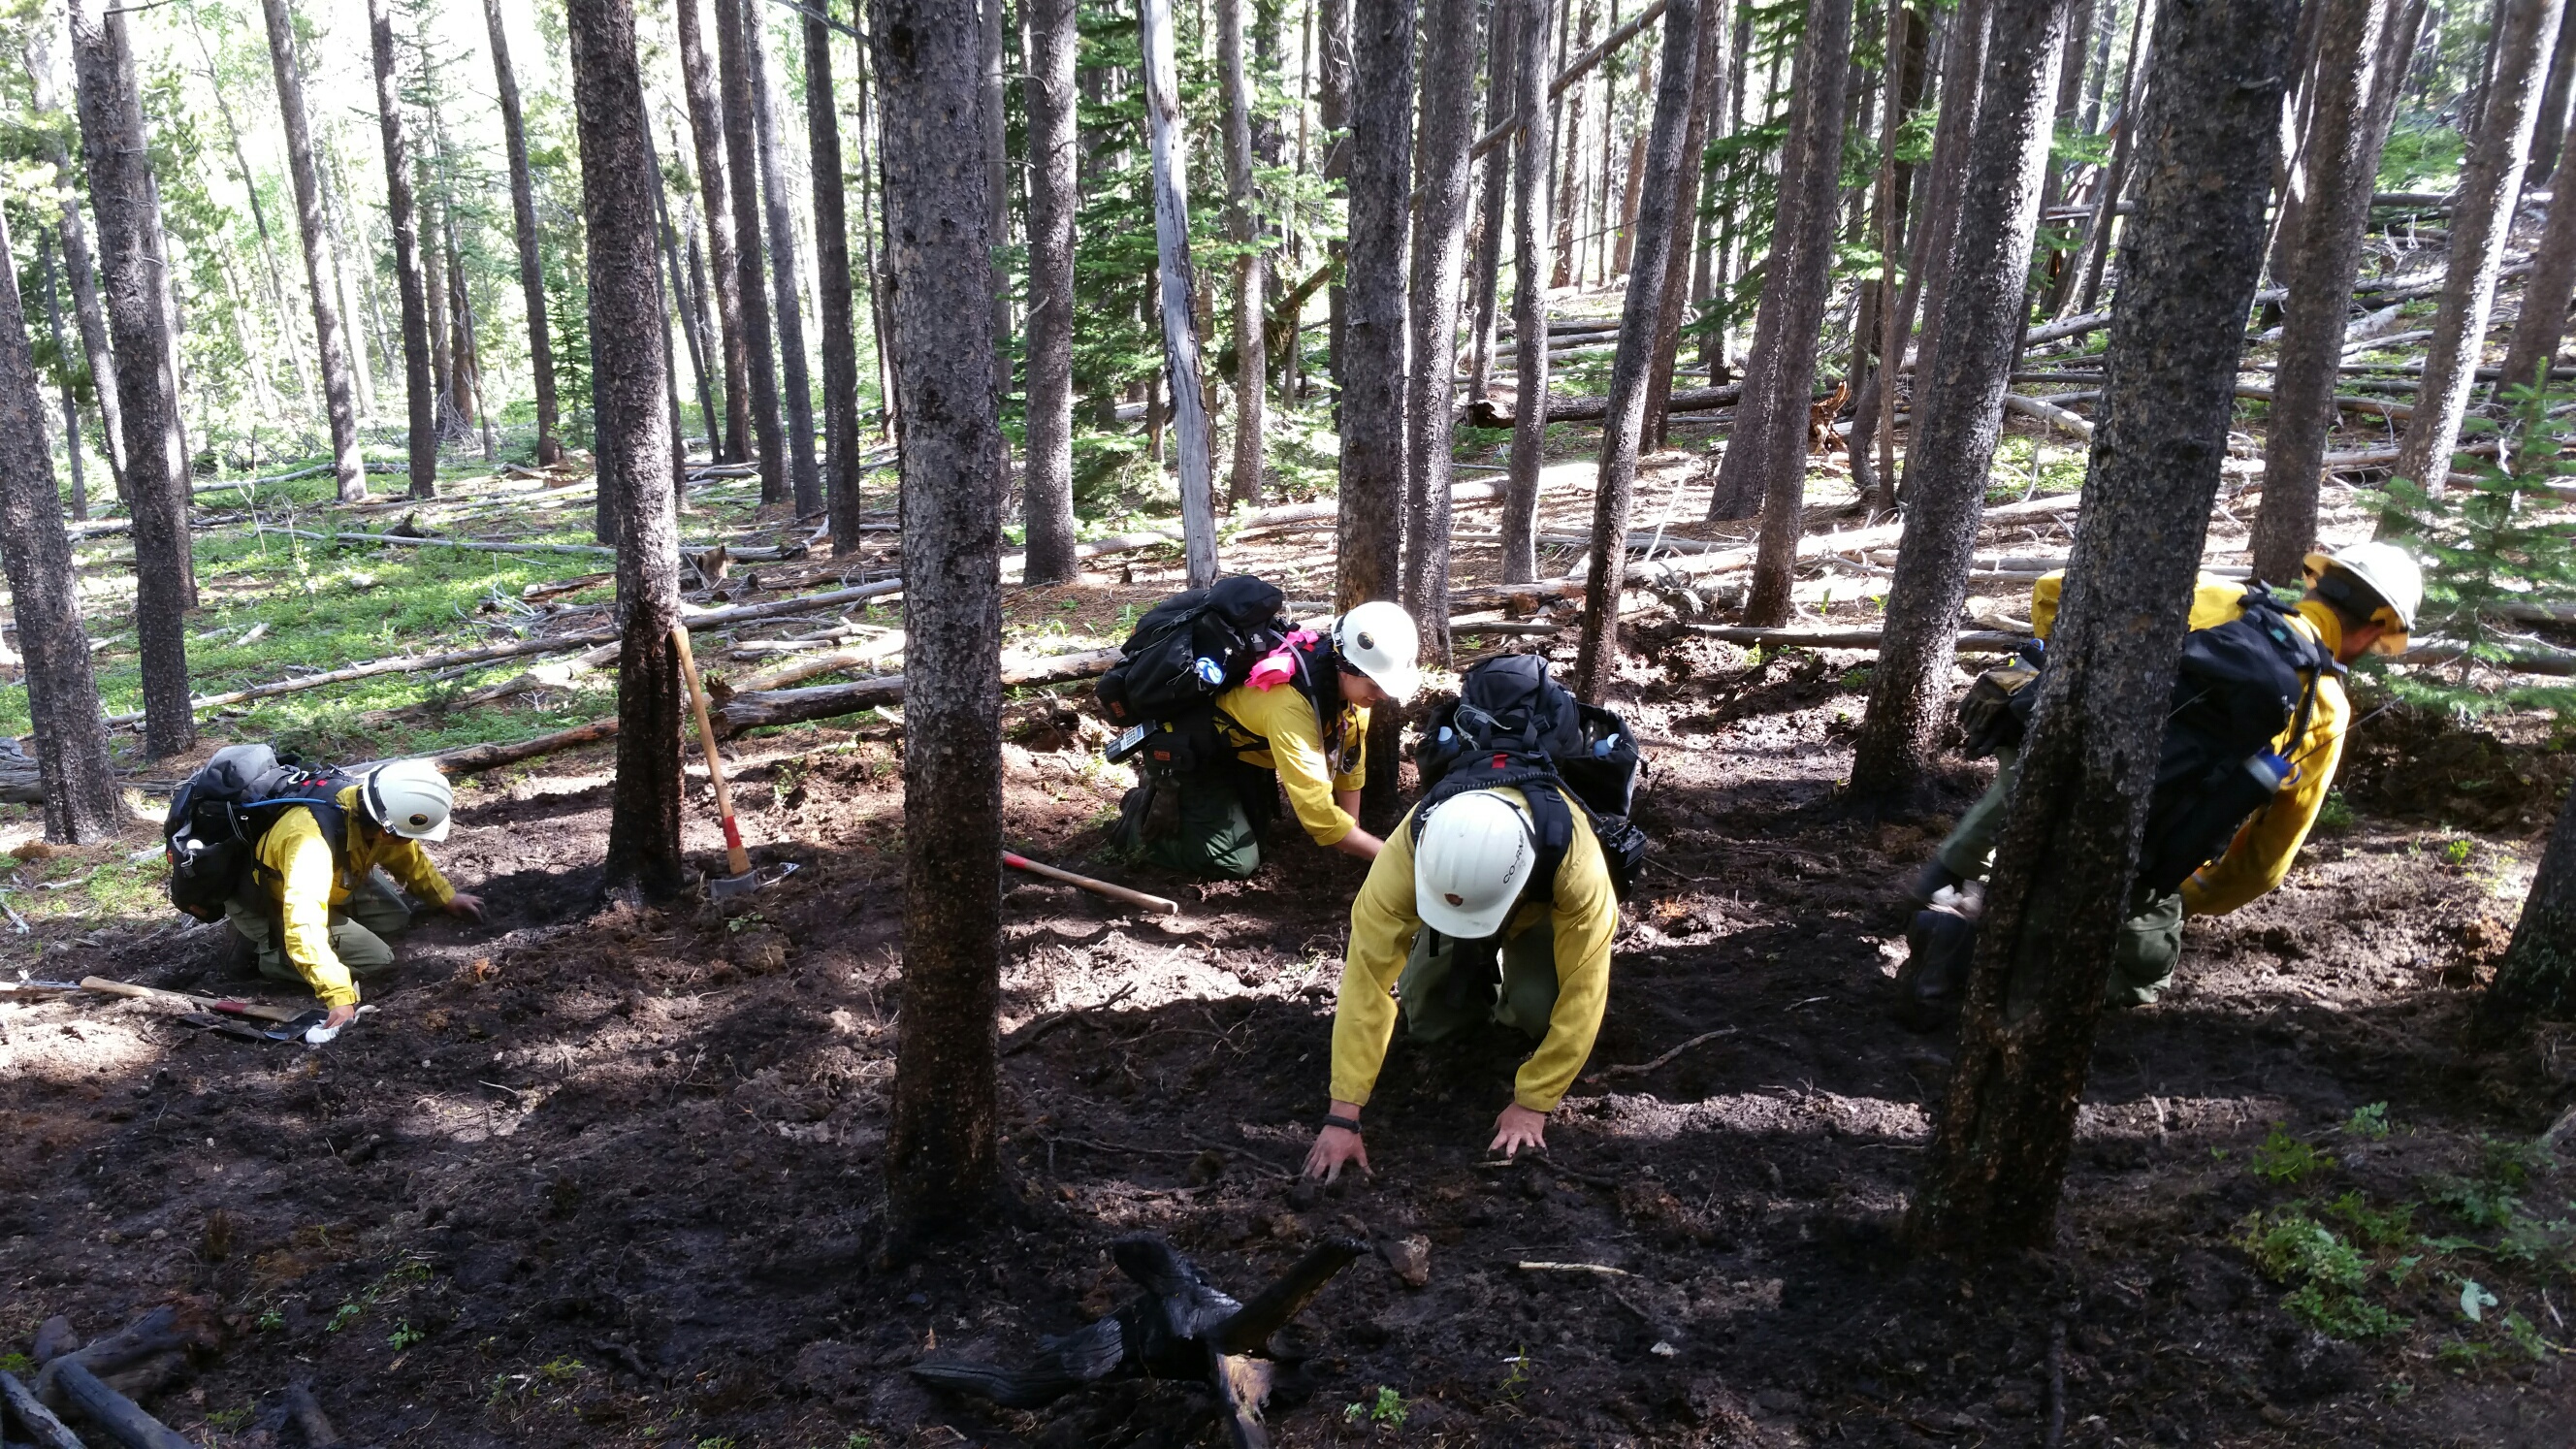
{"points": [[614, 1177]]}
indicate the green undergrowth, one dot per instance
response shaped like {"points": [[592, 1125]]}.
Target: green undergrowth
{"points": [[2461, 1266]]}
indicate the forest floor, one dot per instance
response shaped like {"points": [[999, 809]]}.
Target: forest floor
{"points": [[614, 1177]]}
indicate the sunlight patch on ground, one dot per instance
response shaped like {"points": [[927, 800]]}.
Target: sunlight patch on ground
{"points": [[1781, 1112]]}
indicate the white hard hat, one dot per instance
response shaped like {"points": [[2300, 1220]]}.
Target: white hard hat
{"points": [[1475, 854], [1379, 640], [2390, 572], [409, 798]]}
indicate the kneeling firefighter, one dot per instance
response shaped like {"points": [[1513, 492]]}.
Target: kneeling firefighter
{"points": [[1231, 705], [2213, 842], [1495, 900]]}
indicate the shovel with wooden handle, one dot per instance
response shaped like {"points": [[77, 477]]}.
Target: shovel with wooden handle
{"points": [[227, 1005], [738, 877]]}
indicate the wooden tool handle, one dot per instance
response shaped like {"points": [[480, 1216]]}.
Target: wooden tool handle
{"points": [[261, 1010], [737, 860], [1138, 899]]}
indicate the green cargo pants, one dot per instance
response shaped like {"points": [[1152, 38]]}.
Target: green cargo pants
{"points": [[1203, 831], [1523, 998], [359, 926], [2150, 940]]}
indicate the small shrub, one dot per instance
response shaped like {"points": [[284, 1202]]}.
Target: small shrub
{"points": [[2458, 852], [404, 1337], [2284, 1160], [2335, 813], [2373, 1229], [2370, 1122]]}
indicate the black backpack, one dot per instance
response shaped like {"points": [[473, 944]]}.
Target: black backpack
{"points": [[1512, 725], [1190, 648], [2240, 685], [219, 814]]}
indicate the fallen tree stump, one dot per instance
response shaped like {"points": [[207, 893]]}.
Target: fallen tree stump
{"points": [[1180, 1327]]}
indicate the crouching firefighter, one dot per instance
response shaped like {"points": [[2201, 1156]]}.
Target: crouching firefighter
{"points": [[1495, 900], [1228, 705], [2252, 741], [303, 863]]}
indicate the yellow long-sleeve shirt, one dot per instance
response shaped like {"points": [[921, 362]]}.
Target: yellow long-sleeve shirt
{"points": [[296, 868], [2260, 855], [1584, 912], [1277, 729]]}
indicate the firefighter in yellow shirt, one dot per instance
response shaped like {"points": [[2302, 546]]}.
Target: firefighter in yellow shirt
{"points": [[1467, 925], [2361, 599], [1208, 823], [316, 909]]}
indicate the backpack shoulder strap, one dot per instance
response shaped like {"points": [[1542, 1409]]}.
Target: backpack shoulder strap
{"points": [[1551, 806]]}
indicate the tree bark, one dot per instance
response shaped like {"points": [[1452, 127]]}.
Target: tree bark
{"points": [[63, 361], [1766, 454], [724, 259], [345, 245], [1959, 413], [130, 267], [80, 263], [1570, 153], [523, 225], [1047, 480], [742, 162], [797, 383], [1502, 50], [330, 343], [2549, 127], [1371, 527], [1174, 291], [839, 311], [629, 390], [1333, 113], [419, 386], [1530, 265], [1708, 82], [1251, 359], [1447, 126], [2543, 322], [1963, 79], [470, 402], [2537, 977], [2342, 160], [1640, 318], [688, 305], [2481, 222], [82, 803], [997, 191], [2115, 178], [1873, 413], [2062, 882], [942, 1157]]}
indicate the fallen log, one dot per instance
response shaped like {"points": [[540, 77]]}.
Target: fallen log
{"points": [[33, 1417], [797, 706], [2049, 413], [2065, 327], [472, 759], [1483, 414], [439, 541], [122, 1418], [2347, 404], [582, 639], [1970, 641], [1817, 544]]}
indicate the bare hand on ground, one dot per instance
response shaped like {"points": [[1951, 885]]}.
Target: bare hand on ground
{"points": [[340, 1016], [1334, 1149], [1517, 1128], [469, 907]]}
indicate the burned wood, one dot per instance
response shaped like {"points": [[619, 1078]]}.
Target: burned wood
{"points": [[122, 1418], [33, 1417]]}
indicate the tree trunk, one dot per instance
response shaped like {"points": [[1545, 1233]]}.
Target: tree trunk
{"points": [[2543, 322], [1180, 322], [1333, 113], [330, 344], [1962, 84], [629, 390], [839, 312], [1529, 148], [1371, 524], [742, 163], [1708, 82], [693, 336], [2115, 177], [997, 192], [724, 259], [420, 389], [130, 267], [2062, 881], [1766, 452], [2481, 221], [1447, 128], [1959, 411], [523, 224], [2537, 977], [942, 1141], [2325, 256], [468, 350], [1570, 152], [1641, 313], [1251, 361], [2549, 127], [80, 263], [797, 381], [1502, 49], [82, 802], [1872, 421], [356, 301], [1047, 482], [433, 271]]}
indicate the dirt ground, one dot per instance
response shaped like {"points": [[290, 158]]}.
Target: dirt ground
{"points": [[613, 1178]]}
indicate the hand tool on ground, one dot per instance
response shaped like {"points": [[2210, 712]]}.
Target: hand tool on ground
{"points": [[738, 877], [6, 986], [1138, 899], [229, 1006]]}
